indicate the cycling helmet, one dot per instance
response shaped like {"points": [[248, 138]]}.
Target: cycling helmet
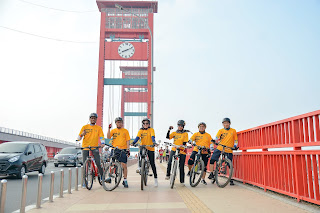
{"points": [[226, 119], [118, 119], [146, 119], [93, 115], [202, 123], [181, 123]]}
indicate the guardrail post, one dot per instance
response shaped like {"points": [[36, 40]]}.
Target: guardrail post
{"points": [[61, 182], [24, 194], [3, 195], [40, 177], [77, 179], [82, 174], [51, 187], [69, 182]]}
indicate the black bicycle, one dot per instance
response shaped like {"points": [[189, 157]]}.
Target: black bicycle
{"points": [[175, 163], [145, 165], [198, 167], [224, 168], [113, 171]]}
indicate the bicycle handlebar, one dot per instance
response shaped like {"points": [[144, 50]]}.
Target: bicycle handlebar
{"points": [[89, 147], [114, 147], [227, 146], [177, 146]]}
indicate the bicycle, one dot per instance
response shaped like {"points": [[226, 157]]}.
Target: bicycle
{"points": [[175, 158], [113, 171], [91, 169], [224, 168], [197, 168], [145, 165]]}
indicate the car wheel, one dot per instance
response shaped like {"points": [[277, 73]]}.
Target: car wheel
{"points": [[42, 169], [65, 164], [22, 172], [56, 165]]}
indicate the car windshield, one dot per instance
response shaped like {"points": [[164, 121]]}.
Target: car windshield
{"points": [[68, 151], [11, 147]]}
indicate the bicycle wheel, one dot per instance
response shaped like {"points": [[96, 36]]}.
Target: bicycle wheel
{"points": [[223, 172], [88, 174], [146, 172], [173, 173], [196, 173], [112, 176], [142, 173]]}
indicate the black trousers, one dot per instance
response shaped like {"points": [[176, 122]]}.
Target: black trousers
{"points": [[96, 156], [151, 159], [181, 165]]}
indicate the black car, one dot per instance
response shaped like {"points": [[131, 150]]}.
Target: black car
{"points": [[68, 155], [18, 158]]}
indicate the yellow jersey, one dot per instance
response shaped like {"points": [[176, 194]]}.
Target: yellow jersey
{"points": [[201, 139], [179, 139], [228, 138], [120, 138], [146, 137], [93, 134]]}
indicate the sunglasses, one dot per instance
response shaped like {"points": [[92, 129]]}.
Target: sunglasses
{"points": [[93, 117], [145, 123]]}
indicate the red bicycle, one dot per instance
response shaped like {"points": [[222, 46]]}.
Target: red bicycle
{"points": [[90, 169]]}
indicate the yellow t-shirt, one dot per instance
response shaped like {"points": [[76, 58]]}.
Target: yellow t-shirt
{"points": [[93, 134], [201, 140], [228, 137], [179, 139], [120, 138], [146, 137]]}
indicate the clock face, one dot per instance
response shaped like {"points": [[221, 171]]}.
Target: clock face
{"points": [[126, 50]]}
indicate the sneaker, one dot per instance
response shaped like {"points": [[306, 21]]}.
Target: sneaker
{"points": [[138, 170], [108, 180], [203, 182], [211, 176], [231, 183], [84, 186], [125, 184], [156, 182], [167, 177], [188, 173]]}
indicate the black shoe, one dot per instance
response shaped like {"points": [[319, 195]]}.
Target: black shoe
{"points": [[211, 176], [231, 183], [125, 184], [188, 173], [203, 182]]}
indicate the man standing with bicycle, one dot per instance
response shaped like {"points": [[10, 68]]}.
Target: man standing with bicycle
{"points": [[146, 133], [91, 134], [180, 138], [121, 140], [227, 137], [202, 139]]}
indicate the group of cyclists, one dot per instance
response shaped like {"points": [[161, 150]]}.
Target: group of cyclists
{"points": [[92, 134]]}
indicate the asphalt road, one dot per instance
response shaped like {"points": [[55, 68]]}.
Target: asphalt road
{"points": [[14, 186]]}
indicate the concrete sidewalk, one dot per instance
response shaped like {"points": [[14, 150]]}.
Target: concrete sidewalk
{"points": [[203, 198]]}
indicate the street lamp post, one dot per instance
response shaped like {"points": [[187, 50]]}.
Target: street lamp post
{"points": [[128, 11]]}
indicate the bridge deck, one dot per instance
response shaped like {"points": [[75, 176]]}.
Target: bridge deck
{"points": [[208, 198]]}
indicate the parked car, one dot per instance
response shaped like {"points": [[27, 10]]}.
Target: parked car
{"points": [[19, 157], [68, 155]]}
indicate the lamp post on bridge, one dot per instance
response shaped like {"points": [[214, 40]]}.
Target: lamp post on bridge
{"points": [[128, 11]]}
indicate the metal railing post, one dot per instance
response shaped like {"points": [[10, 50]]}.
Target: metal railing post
{"points": [[51, 187], [40, 177], [3, 195], [69, 182], [77, 179], [24, 194], [82, 174], [61, 182]]}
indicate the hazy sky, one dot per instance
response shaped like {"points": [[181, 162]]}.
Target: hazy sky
{"points": [[253, 61]]}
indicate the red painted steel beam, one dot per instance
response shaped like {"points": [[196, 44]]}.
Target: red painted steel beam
{"points": [[128, 4], [135, 97]]}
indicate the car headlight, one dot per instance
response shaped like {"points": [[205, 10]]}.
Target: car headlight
{"points": [[14, 159]]}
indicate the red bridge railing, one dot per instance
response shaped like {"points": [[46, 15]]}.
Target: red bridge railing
{"points": [[293, 172]]}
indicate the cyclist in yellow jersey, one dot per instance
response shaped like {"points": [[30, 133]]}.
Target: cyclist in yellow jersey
{"points": [[121, 140], [91, 134], [228, 137], [180, 138], [146, 133], [202, 139]]}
